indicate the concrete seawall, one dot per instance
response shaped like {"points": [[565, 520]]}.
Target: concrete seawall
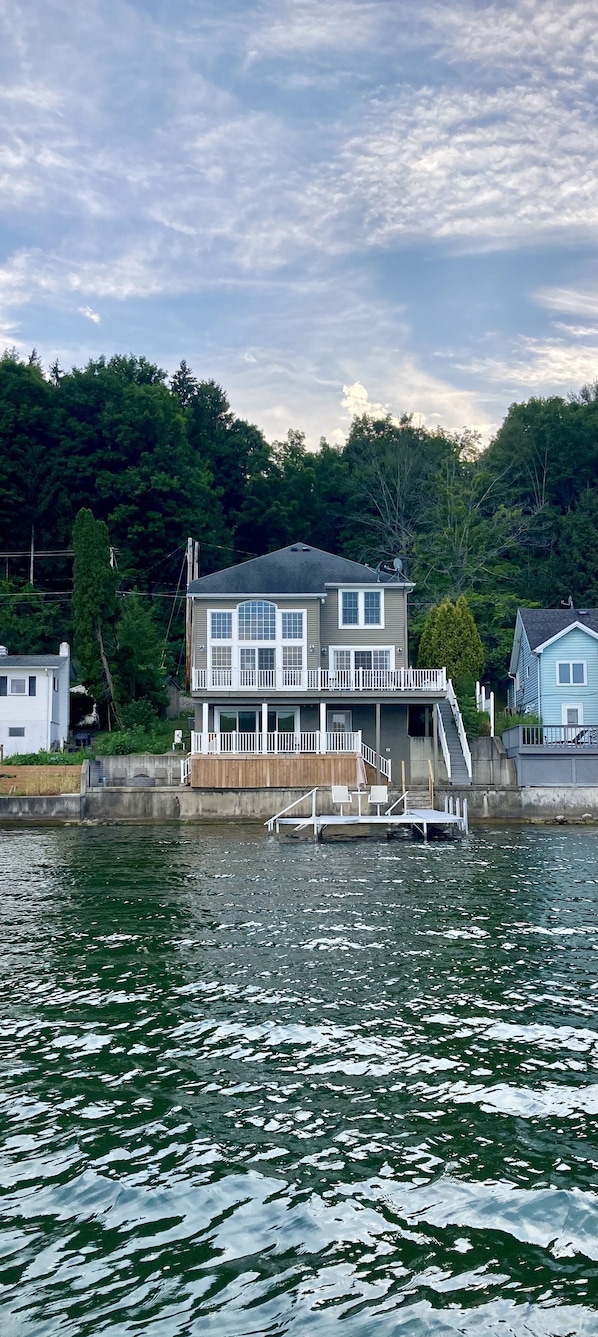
{"points": [[167, 804]]}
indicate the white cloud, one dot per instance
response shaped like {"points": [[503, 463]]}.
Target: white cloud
{"points": [[90, 314], [524, 34], [357, 402], [575, 301], [501, 165], [540, 365]]}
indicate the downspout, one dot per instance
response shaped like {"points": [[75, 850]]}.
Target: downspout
{"points": [[539, 684]]}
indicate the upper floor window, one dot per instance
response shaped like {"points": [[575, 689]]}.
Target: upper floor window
{"points": [[350, 608], [571, 671], [257, 621], [371, 608], [18, 686], [361, 608], [292, 626], [221, 626]]}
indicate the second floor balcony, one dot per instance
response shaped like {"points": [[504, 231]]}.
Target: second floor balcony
{"points": [[320, 680]]}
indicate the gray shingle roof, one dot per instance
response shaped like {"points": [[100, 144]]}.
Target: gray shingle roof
{"points": [[298, 569], [543, 623], [30, 661]]}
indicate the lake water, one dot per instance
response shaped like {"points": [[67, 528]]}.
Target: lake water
{"points": [[253, 1088]]}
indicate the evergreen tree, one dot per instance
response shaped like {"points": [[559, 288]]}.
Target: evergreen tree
{"points": [[94, 609], [140, 655], [450, 639]]}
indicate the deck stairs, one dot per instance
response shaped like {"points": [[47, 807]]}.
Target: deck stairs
{"points": [[459, 771]]}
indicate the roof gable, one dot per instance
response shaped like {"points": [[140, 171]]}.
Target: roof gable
{"points": [[297, 569], [544, 625], [573, 626]]}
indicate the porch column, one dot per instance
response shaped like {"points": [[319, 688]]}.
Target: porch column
{"points": [[378, 734], [264, 726], [205, 715], [323, 726], [435, 737]]}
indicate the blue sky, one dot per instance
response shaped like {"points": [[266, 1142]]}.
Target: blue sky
{"points": [[326, 205]]}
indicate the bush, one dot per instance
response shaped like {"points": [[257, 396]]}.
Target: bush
{"points": [[139, 712]]}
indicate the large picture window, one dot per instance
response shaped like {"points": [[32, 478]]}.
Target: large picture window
{"points": [[257, 621]]}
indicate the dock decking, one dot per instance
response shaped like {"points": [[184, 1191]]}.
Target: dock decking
{"points": [[420, 820]]}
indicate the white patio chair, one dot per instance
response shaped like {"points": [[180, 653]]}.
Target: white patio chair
{"points": [[378, 796], [340, 797]]}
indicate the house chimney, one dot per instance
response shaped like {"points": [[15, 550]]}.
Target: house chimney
{"points": [[3, 651], [64, 649]]}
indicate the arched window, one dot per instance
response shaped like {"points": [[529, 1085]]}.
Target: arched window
{"points": [[257, 620]]}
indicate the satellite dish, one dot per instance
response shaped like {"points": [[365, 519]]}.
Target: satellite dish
{"points": [[398, 566]]}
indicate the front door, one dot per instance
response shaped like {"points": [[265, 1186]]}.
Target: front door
{"points": [[338, 721]]}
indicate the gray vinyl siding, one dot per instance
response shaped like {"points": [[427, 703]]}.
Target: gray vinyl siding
{"points": [[394, 631]]}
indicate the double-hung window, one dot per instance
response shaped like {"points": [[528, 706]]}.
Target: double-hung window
{"points": [[292, 626], [571, 672], [361, 608]]}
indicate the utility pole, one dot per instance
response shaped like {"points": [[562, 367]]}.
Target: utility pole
{"points": [[32, 554], [188, 606]]}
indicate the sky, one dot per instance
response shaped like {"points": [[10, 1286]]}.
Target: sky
{"points": [[328, 206]]}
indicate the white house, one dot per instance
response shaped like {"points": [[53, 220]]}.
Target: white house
{"points": [[34, 701]]}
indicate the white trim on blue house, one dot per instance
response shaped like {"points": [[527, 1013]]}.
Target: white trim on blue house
{"points": [[572, 626]]}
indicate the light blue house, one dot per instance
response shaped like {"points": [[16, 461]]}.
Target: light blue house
{"points": [[554, 666]]}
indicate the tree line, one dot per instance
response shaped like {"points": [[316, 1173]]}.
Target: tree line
{"points": [[158, 458]]}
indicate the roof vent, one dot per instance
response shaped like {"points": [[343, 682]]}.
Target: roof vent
{"points": [[294, 548], [304, 549], [3, 651], [583, 612]]}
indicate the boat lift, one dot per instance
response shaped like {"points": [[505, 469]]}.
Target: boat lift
{"points": [[453, 818]]}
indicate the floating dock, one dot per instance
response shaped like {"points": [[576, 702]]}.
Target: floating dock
{"points": [[422, 822]]}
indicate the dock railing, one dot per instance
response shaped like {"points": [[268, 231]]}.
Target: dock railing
{"points": [[272, 822]]}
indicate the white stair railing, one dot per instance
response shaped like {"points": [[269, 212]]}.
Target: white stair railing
{"points": [[458, 718], [443, 743]]}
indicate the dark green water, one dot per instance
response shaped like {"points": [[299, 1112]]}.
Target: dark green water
{"points": [[250, 1088]]}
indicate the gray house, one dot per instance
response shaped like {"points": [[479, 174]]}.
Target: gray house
{"points": [[302, 653]]}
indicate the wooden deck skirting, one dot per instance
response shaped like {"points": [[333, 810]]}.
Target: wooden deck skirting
{"points": [[299, 772]]}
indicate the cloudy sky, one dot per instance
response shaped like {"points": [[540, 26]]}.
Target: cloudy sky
{"points": [[324, 204]]}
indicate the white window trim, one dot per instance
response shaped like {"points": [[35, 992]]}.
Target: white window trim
{"points": [[572, 705], [12, 681], [351, 649], [360, 591], [571, 662]]}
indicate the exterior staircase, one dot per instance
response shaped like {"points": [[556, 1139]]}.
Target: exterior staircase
{"points": [[459, 772]]}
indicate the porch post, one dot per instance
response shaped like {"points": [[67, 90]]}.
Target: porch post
{"points": [[322, 747], [378, 735], [435, 735], [264, 726], [205, 716]]}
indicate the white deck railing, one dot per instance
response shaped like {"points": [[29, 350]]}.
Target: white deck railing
{"points": [[320, 680], [274, 744]]}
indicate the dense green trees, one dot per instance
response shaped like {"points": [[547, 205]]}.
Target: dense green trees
{"points": [[156, 460]]}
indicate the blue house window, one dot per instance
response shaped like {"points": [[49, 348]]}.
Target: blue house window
{"points": [[571, 672]]}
